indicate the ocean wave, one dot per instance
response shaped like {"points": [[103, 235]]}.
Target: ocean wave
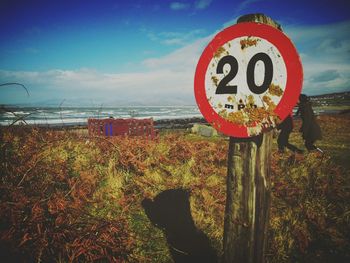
{"points": [[80, 115], [22, 112], [65, 112]]}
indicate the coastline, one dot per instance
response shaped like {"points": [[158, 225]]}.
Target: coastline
{"points": [[160, 124], [171, 123]]}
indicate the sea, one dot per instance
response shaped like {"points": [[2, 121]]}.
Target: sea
{"points": [[71, 116], [78, 116]]}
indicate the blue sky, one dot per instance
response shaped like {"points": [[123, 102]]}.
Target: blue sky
{"points": [[145, 52]]}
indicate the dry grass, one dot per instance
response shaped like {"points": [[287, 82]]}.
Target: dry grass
{"points": [[69, 198]]}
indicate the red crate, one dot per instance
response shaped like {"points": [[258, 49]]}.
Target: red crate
{"points": [[127, 127]]}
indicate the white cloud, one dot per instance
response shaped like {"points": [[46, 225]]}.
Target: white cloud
{"points": [[179, 6], [324, 52], [244, 5], [326, 76], [202, 4], [231, 22], [165, 80], [177, 38], [157, 86], [198, 5], [237, 12], [182, 59], [174, 38], [169, 79]]}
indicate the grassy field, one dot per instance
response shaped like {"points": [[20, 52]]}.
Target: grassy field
{"points": [[66, 197]]}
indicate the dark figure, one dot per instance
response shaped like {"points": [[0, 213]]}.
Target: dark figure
{"points": [[286, 127], [170, 211], [310, 129]]}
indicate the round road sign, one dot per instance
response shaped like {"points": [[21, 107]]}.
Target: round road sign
{"points": [[248, 79]]}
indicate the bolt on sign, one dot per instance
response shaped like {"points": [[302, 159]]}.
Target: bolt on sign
{"points": [[248, 79]]}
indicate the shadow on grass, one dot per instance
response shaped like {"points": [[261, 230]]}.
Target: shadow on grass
{"points": [[170, 211], [8, 254]]}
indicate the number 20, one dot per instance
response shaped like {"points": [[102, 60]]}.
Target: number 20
{"points": [[223, 88]]}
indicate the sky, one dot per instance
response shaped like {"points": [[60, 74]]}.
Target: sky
{"points": [[145, 52]]}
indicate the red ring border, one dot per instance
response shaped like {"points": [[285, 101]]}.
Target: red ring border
{"points": [[288, 53]]}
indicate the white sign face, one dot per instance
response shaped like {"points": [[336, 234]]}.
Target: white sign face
{"points": [[248, 79], [245, 74], [241, 55]]}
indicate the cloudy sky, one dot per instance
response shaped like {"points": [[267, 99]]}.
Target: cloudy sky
{"points": [[145, 52]]}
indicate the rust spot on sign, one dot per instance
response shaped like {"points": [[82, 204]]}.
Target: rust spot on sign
{"points": [[251, 100], [270, 103], [275, 90], [219, 52], [230, 99], [215, 80], [248, 42]]}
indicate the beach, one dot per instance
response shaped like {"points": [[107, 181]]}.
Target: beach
{"points": [[165, 117], [70, 116]]}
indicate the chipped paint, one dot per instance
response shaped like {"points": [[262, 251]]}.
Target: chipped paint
{"points": [[215, 80], [251, 100], [230, 99], [244, 88], [221, 50], [275, 90], [249, 42]]}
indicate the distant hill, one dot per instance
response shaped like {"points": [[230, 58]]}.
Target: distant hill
{"points": [[332, 99]]}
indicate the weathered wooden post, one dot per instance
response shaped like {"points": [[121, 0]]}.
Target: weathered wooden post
{"points": [[248, 199], [248, 190], [247, 80]]}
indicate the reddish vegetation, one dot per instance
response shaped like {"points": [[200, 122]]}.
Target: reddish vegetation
{"points": [[60, 200], [45, 207]]}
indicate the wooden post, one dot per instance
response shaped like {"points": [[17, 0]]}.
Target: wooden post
{"points": [[248, 190]]}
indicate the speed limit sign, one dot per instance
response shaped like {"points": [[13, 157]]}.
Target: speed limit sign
{"points": [[248, 79]]}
